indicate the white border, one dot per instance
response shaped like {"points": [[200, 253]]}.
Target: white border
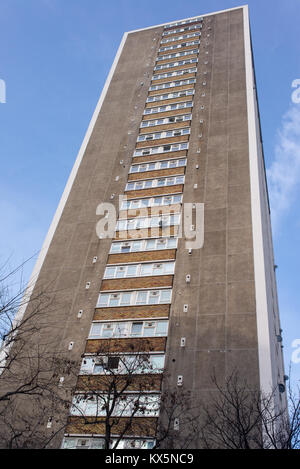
{"points": [[263, 326]]}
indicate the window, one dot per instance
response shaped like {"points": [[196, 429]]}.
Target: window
{"points": [[125, 299], [140, 223], [168, 107], [124, 364], [172, 84], [145, 245], [146, 269], [161, 149], [136, 329], [160, 135], [84, 443], [107, 330], [137, 245], [154, 298], [114, 300], [174, 74], [135, 444], [151, 244], [95, 406], [109, 272], [158, 328], [134, 298], [148, 184], [139, 270], [175, 64], [149, 329], [142, 297], [131, 271], [113, 363], [178, 46]]}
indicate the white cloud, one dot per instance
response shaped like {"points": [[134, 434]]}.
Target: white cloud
{"points": [[284, 172]]}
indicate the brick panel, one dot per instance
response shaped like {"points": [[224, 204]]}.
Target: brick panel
{"points": [[147, 233], [163, 254], [181, 49], [173, 69], [137, 282], [149, 382], [169, 100], [180, 41], [165, 127], [176, 189], [153, 344], [162, 115], [159, 156], [150, 211], [172, 89], [175, 59], [163, 141], [89, 425], [156, 173], [132, 312], [174, 78]]}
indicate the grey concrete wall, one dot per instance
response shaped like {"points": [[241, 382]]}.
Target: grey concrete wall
{"points": [[220, 326]]}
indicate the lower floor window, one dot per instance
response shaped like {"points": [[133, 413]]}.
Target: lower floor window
{"points": [[98, 443]]}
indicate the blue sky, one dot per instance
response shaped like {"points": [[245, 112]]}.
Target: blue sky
{"points": [[55, 56]]}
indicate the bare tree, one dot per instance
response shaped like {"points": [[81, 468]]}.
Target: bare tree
{"points": [[238, 417], [29, 369], [123, 397], [125, 393]]}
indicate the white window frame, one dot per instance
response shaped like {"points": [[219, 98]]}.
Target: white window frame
{"points": [[178, 46], [143, 243], [163, 134], [167, 268], [181, 36], [133, 298], [157, 221], [172, 84], [181, 30], [127, 329], [92, 406], [179, 23], [158, 165], [90, 363], [161, 149], [177, 73], [177, 94], [174, 55], [168, 107], [74, 442], [166, 120], [164, 200], [176, 64], [154, 183]]}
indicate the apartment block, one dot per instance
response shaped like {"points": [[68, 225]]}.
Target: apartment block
{"points": [[177, 123]]}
